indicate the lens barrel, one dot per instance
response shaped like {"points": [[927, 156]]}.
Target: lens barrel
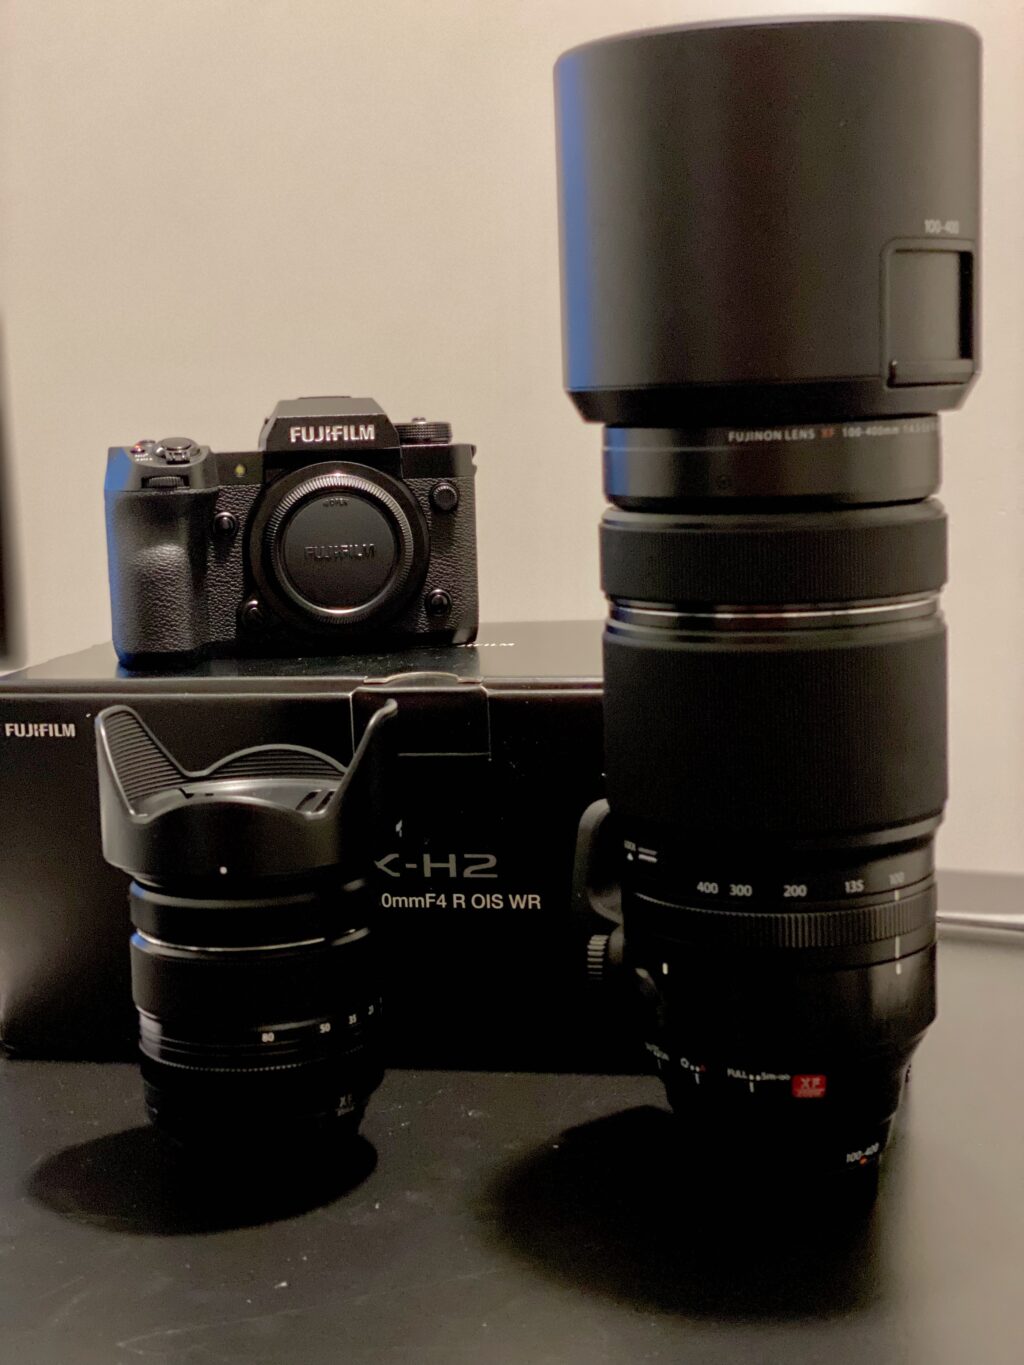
{"points": [[253, 966], [769, 287], [777, 665], [256, 1014], [775, 742]]}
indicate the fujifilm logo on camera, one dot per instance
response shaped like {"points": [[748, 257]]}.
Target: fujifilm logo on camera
{"points": [[39, 730], [311, 436], [366, 551]]}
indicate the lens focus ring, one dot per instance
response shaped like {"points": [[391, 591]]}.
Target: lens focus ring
{"points": [[828, 556], [809, 733]]}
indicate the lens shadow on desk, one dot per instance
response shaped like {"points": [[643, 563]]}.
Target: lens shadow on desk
{"points": [[137, 1182], [615, 1207]]}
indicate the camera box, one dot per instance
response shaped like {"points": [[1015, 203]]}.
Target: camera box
{"points": [[498, 755]]}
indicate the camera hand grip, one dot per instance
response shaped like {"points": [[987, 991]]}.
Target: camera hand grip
{"points": [[157, 547]]}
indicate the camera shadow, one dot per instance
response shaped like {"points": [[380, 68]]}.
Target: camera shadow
{"points": [[621, 1208], [137, 1181]]}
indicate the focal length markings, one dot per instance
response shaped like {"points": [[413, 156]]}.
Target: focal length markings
{"points": [[651, 867], [837, 885]]}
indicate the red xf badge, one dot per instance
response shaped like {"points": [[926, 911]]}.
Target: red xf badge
{"points": [[808, 1087]]}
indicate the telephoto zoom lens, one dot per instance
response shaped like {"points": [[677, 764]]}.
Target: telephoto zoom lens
{"points": [[769, 268], [253, 966]]}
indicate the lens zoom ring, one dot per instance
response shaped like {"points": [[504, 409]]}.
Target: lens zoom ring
{"points": [[823, 732], [808, 557], [840, 928]]}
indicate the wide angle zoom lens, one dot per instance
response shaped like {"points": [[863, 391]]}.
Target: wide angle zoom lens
{"points": [[268, 1029], [253, 964], [775, 739]]}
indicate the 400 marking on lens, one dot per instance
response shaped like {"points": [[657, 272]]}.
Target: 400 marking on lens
{"points": [[789, 891], [737, 890]]}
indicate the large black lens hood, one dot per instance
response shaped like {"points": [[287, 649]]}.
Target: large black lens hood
{"points": [[276, 810], [770, 220]]}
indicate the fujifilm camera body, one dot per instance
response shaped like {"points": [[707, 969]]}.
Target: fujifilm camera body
{"points": [[342, 531]]}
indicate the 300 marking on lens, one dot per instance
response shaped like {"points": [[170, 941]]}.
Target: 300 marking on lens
{"points": [[740, 890]]}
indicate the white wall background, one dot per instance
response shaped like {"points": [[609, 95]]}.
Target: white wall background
{"points": [[209, 204]]}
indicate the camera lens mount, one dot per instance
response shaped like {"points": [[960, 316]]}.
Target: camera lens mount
{"points": [[338, 545]]}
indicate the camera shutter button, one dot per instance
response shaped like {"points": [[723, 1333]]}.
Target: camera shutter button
{"points": [[176, 449]]}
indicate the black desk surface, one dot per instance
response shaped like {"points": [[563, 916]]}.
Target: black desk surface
{"points": [[524, 1220]]}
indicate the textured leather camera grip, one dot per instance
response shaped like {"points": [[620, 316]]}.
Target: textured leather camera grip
{"points": [[157, 548]]}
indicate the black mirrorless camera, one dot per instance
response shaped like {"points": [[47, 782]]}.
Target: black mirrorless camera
{"points": [[342, 531]]}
